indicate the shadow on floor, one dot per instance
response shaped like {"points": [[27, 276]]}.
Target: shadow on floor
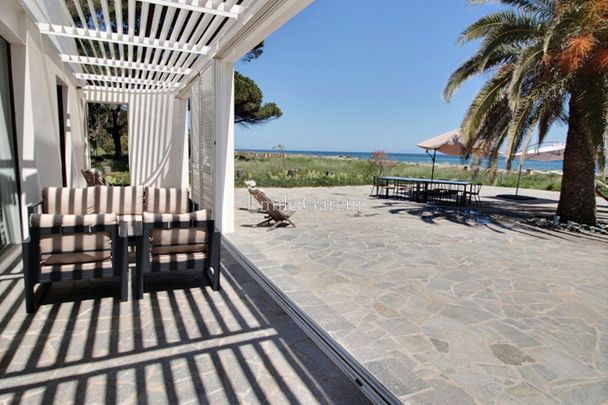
{"points": [[182, 342], [497, 216]]}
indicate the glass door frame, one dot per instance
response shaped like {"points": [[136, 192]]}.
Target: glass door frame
{"points": [[14, 142]]}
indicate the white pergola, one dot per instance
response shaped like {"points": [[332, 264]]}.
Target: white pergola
{"points": [[133, 45], [154, 55]]}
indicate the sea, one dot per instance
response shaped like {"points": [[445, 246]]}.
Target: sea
{"points": [[421, 158]]}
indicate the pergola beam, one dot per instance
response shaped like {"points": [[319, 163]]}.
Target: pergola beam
{"points": [[194, 5], [129, 80], [123, 64], [105, 89], [103, 36]]}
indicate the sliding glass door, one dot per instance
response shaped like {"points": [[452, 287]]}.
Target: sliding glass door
{"points": [[10, 228]]}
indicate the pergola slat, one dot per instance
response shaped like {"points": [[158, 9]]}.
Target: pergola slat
{"points": [[201, 38], [130, 80], [164, 34], [82, 19], [194, 6], [102, 36], [130, 27], [158, 11], [106, 89], [108, 27], [86, 60], [187, 32], [205, 28], [143, 23], [95, 21], [119, 26]]}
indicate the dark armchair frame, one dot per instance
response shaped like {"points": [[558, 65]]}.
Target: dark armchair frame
{"points": [[210, 265], [32, 268]]}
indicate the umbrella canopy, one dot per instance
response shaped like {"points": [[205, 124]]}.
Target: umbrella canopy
{"points": [[550, 153], [450, 143], [545, 154]]}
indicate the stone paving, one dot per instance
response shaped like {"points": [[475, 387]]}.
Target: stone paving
{"points": [[182, 343], [445, 305]]}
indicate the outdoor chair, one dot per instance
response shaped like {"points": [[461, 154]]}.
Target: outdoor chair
{"points": [[382, 187], [275, 211], [404, 190], [473, 194], [177, 242], [93, 177], [71, 247]]}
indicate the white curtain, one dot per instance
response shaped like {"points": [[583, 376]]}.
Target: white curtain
{"points": [[202, 157]]}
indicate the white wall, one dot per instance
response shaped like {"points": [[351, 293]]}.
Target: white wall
{"points": [[158, 148], [36, 73]]}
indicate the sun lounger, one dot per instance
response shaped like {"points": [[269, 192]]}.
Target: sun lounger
{"points": [[275, 211]]}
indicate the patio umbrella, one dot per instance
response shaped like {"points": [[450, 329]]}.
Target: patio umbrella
{"points": [[550, 153], [450, 143]]}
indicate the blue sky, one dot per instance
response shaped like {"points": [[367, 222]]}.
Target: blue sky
{"points": [[352, 76]]}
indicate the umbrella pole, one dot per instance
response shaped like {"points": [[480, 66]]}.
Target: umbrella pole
{"points": [[521, 161], [433, 169], [518, 178]]}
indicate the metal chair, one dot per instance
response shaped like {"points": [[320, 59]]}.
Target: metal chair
{"points": [[177, 242], [71, 247], [474, 194]]}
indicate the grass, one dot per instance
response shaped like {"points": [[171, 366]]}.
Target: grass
{"points": [[309, 171], [306, 171], [119, 169], [602, 188]]}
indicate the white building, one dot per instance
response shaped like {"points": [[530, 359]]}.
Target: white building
{"points": [[57, 55]]}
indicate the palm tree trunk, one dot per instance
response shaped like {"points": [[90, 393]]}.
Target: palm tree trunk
{"points": [[116, 133], [577, 198]]}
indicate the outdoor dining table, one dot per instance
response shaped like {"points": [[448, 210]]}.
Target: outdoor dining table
{"points": [[422, 187]]}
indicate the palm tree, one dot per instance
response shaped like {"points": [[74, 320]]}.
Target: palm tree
{"points": [[546, 61]]}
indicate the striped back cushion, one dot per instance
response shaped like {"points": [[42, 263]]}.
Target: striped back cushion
{"points": [[166, 200], [119, 200], [177, 236], [55, 220], [70, 201]]}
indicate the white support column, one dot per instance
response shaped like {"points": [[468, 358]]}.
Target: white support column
{"points": [[223, 200]]}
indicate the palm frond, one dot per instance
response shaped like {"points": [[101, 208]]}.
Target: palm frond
{"points": [[521, 33], [492, 132], [551, 109], [487, 24], [527, 62], [523, 123], [487, 97], [476, 65]]}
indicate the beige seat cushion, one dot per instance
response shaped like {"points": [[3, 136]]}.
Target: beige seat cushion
{"points": [[177, 257], [76, 257], [66, 269], [64, 200], [119, 200], [78, 242], [167, 200], [165, 250]]}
